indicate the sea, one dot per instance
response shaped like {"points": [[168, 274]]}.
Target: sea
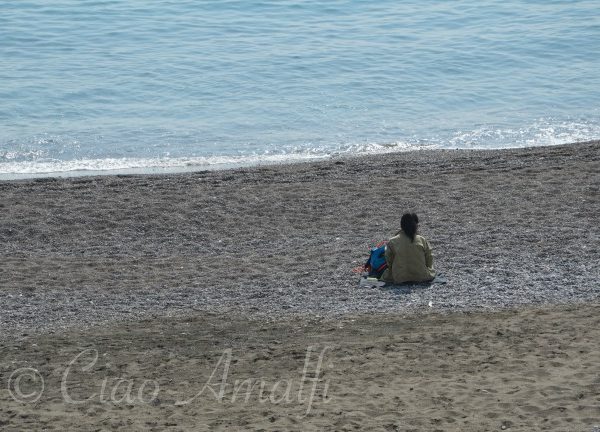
{"points": [[109, 86]]}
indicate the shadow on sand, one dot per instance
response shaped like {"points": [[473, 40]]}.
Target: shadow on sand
{"points": [[405, 288]]}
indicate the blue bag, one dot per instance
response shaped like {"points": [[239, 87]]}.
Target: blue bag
{"points": [[376, 264]]}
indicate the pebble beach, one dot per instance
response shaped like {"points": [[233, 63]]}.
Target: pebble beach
{"points": [[508, 228], [138, 257]]}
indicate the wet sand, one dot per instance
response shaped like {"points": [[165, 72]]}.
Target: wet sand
{"points": [[521, 370], [164, 273]]}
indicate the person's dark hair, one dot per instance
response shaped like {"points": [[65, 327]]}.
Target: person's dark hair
{"points": [[409, 223]]}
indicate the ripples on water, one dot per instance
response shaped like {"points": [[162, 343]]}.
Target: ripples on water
{"points": [[131, 83]]}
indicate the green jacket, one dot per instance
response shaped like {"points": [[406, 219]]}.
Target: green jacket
{"points": [[408, 261]]}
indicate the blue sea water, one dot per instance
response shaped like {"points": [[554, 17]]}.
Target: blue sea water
{"points": [[125, 84]]}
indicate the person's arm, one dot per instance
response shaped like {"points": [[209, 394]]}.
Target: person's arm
{"points": [[389, 256], [428, 255]]}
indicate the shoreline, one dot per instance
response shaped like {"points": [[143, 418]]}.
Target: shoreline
{"points": [[508, 228], [157, 170], [233, 166]]}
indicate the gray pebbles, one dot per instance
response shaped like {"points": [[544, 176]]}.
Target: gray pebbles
{"points": [[508, 228]]}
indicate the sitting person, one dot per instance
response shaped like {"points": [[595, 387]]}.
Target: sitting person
{"points": [[408, 255]]}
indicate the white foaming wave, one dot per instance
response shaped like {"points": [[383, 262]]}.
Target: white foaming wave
{"points": [[22, 169], [540, 133], [378, 148], [543, 132], [137, 164]]}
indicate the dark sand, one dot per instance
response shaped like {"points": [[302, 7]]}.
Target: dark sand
{"points": [[161, 274], [519, 370]]}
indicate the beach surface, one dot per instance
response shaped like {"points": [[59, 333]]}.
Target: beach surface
{"points": [[530, 369], [163, 274]]}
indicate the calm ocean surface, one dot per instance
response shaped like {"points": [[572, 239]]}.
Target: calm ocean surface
{"points": [[140, 84]]}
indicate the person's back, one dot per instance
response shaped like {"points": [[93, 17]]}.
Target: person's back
{"points": [[408, 255]]}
